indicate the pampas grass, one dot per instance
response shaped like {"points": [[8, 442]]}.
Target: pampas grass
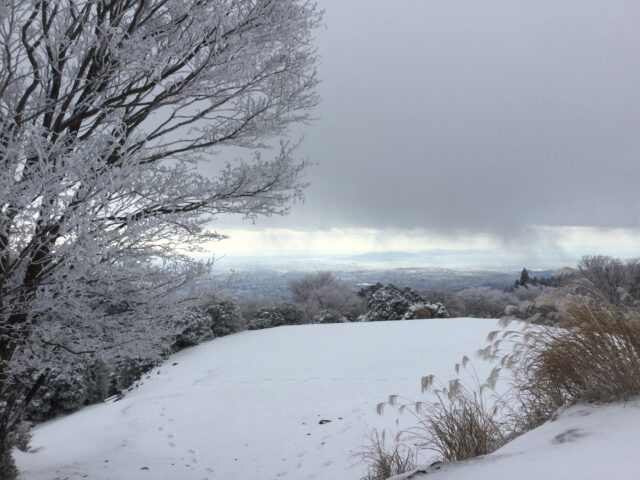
{"points": [[385, 460], [594, 358], [460, 422]]}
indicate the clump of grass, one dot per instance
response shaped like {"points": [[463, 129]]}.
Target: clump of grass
{"points": [[461, 422], [460, 425], [385, 460], [594, 358]]}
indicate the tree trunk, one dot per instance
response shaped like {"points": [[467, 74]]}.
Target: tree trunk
{"points": [[8, 469]]}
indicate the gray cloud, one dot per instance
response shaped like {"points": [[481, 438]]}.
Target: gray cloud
{"points": [[478, 116]]}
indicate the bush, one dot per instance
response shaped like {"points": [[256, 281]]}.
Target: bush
{"points": [[277, 315], [384, 461], [8, 469], [225, 318], [127, 371], [419, 311], [482, 302], [193, 329], [20, 437], [67, 390], [391, 303], [326, 316], [249, 307], [216, 320]]}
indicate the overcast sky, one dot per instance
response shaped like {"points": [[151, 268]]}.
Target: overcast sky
{"points": [[471, 119]]}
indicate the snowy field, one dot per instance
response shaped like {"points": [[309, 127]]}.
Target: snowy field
{"points": [[298, 402], [249, 406]]}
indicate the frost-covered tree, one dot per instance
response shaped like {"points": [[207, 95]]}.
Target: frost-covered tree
{"points": [[607, 276], [485, 302], [321, 293], [276, 316], [107, 110]]}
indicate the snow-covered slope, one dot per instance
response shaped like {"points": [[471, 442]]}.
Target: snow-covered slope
{"points": [[585, 442], [250, 406]]}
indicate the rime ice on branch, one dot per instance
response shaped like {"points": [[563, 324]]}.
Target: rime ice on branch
{"points": [[107, 107]]}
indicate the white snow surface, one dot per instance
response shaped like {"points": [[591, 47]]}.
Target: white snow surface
{"points": [[248, 406], [585, 442]]}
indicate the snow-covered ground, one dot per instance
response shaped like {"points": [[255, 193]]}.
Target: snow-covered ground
{"points": [[254, 406], [585, 442], [249, 406]]}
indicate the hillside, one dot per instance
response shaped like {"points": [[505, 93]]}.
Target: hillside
{"points": [[249, 406]]}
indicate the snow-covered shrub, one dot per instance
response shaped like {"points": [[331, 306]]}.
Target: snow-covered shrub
{"points": [[127, 371], [21, 436], [249, 307], [534, 312], [326, 316], [391, 303], [63, 392], [482, 302], [322, 291], [546, 308], [98, 381], [200, 325], [66, 390], [225, 318], [8, 469], [529, 293], [193, 328], [368, 290], [277, 315], [419, 311]]}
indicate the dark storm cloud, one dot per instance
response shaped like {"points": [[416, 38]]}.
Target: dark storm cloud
{"points": [[475, 115]]}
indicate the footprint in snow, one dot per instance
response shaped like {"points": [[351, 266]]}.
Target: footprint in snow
{"points": [[570, 435]]}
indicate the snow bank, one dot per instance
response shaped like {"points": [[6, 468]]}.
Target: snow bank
{"points": [[586, 442], [251, 406]]}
